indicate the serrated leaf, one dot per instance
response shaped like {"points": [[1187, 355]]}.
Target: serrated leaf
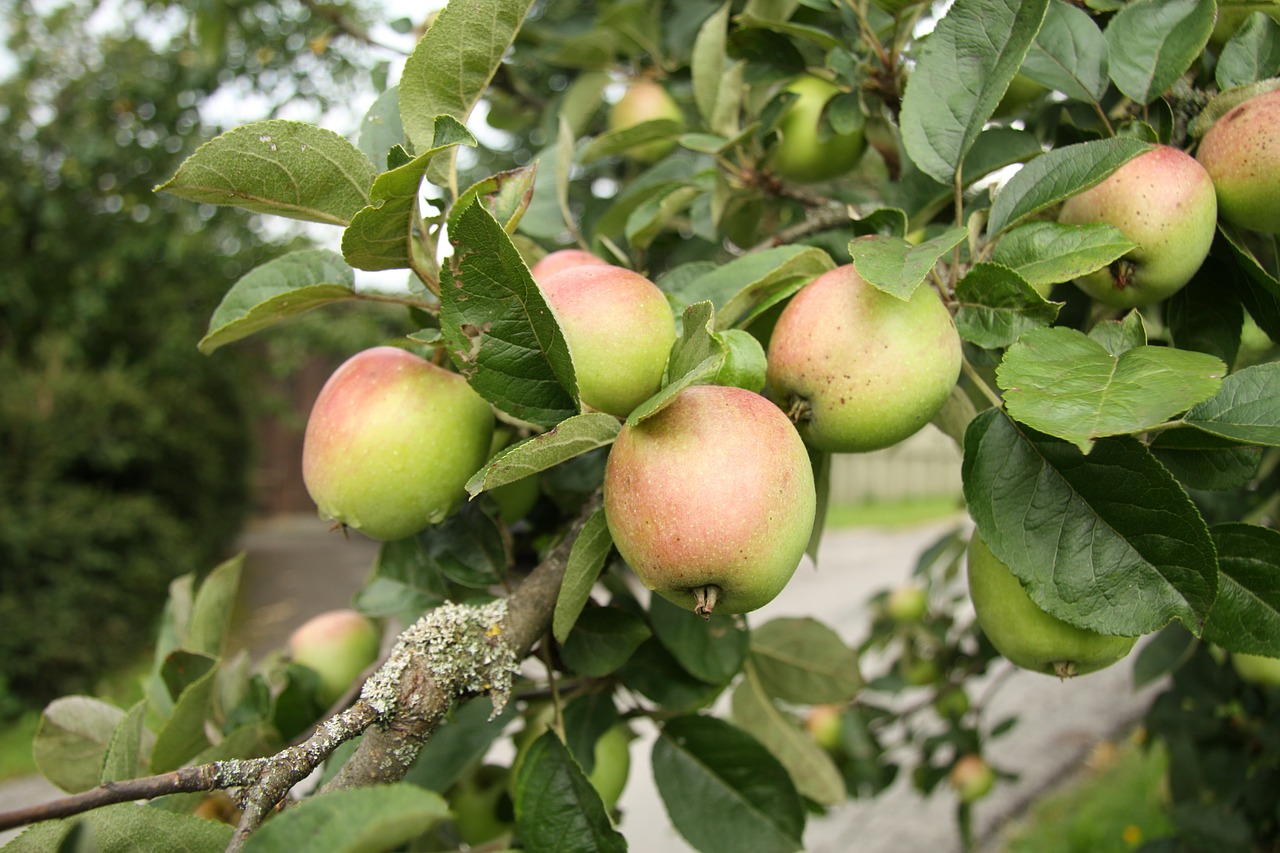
{"points": [[1172, 645], [557, 810], [962, 72], [1206, 317], [1246, 616], [897, 267], [1108, 541], [696, 357], [1224, 102], [381, 130], [710, 649], [571, 437], [125, 757], [72, 740], [1203, 461], [1117, 337], [506, 195], [655, 673], [1252, 54], [1153, 42], [1046, 253], [820, 37], [602, 639], [743, 287], [354, 820], [1246, 409], [586, 559], [706, 64], [651, 218], [466, 548], [1069, 54], [182, 735], [286, 168], [277, 290], [802, 660], [615, 142], [213, 607], [997, 306], [128, 828]]}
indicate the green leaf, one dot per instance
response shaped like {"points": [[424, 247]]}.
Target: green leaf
{"points": [[211, 614], [707, 63], [1166, 651], [129, 828], [458, 744], [1246, 616], [820, 462], [72, 740], [281, 288], [586, 559], [897, 267], [1069, 54], [804, 661], [1153, 42], [1117, 337], [286, 168], [499, 329], [1061, 382], [130, 744], [1108, 541], [655, 673], [744, 287], [1225, 102], [814, 773], [705, 766], [1246, 409], [647, 222], [354, 820], [1252, 54], [615, 142], [183, 735], [506, 195], [712, 650], [963, 70], [820, 37], [586, 719], [1057, 175], [466, 548], [1206, 317], [557, 810], [1046, 253], [381, 129], [405, 581], [1203, 461], [697, 357], [997, 306], [571, 437], [602, 640]]}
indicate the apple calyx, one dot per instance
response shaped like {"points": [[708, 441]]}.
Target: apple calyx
{"points": [[705, 598], [1065, 669], [799, 409], [1122, 273]]}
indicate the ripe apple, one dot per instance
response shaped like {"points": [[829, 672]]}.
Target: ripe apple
{"points": [[391, 441], [645, 100], [620, 330], [971, 777], [338, 645], [711, 500], [907, 603], [1242, 158], [1257, 668], [800, 155], [1162, 200], [1026, 635], [476, 801], [562, 259], [858, 369]]}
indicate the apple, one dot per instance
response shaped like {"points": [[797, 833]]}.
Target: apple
{"points": [[919, 671], [645, 100], [825, 726], [562, 259], [391, 442], [711, 500], [1242, 158], [1026, 635], [1162, 200], [1257, 668], [971, 777], [858, 369], [952, 703], [907, 604], [475, 801], [801, 156], [611, 755], [619, 328], [338, 645]]}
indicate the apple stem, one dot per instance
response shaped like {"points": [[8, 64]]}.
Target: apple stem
{"points": [[705, 598], [1065, 669]]}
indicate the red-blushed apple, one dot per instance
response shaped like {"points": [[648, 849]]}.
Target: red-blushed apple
{"points": [[711, 500], [824, 725], [645, 100], [338, 645], [1026, 635], [1162, 200], [801, 156], [619, 328], [561, 259], [391, 442], [971, 777], [858, 369], [1242, 156]]}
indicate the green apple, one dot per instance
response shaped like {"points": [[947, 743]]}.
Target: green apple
{"points": [[858, 369], [919, 672], [476, 800], [561, 259], [952, 703], [619, 328], [1162, 200], [645, 100], [1242, 158], [1022, 91], [338, 645], [1026, 635], [801, 156], [971, 777], [907, 603], [825, 726], [1257, 668], [391, 441], [711, 500]]}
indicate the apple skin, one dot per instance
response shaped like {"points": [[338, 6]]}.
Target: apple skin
{"points": [[391, 442], [1257, 668], [474, 802], [338, 645], [713, 494], [1243, 160], [1026, 635], [906, 604], [825, 726], [562, 259], [859, 369], [1162, 200], [800, 155], [620, 330], [644, 101], [972, 778]]}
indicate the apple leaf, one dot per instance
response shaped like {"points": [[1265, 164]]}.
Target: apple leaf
{"points": [[586, 559], [1246, 616], [650, 218], [1117, 337], [1164, 653], [498, 327], [506, 195], [130, 743], [819, 37], [820, 462], [380, 817], [814, 773], [1153, 42], [214, 603], [285, 168], [696, 357], [182, 735], [962, 71], [653, 672], [1203, 461], [1056, 175], [1109, 542], [623, 139], [703, 765], [1252, 54], [744, 287], [381, 130], [805, 662], [1246, 409], [1069, 54], [72, 740], [1246, 260], [571, 437], [461, 741], [1205, 316], [1064, 383], [1225, 102], [602, 640], [126, 828], [586, 719], [897, 267], [707, 65], [405, 583], [997, 305], [710, 649], [557, 810], [1046, 253]]}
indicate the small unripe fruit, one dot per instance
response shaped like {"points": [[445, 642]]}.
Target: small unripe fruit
{"points": [[800, 155], [824, 725], [1242, 156], [906, 604], [475, 801], [644, 101], [952, 704], [562, 259], [972, 778], [338, 646], [391, 442], [1257, 669], [711, 500]]}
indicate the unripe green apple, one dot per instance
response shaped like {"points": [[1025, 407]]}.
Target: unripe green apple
{"points": [[619, 329], [1257, 669], [1026, 635], [918, 672], [972, 778], [562, 259], [711, 500], [1242, 157], [475, 801], [952, 703], [391, 442], [1162, 200], [907, 603], [338, 645], [858, 369], [800, 155], [644, 101]]}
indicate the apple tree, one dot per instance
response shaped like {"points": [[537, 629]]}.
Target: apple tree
{"points": [[855, 218]]}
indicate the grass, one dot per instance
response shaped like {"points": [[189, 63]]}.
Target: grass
{"points": [[903, 513]]}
